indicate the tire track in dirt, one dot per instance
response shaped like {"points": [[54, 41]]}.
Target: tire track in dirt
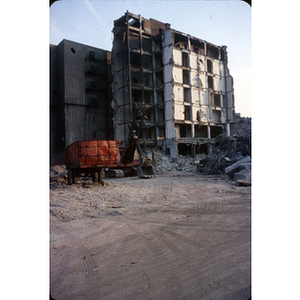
{"points": [[160, 244], [91, 269], [57, 275]]}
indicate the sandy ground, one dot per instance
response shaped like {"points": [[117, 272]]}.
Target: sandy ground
{"points": [[177, 236]]}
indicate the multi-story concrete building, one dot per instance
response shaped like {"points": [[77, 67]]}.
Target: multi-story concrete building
{"points": [[184, 82], [80, 96]]}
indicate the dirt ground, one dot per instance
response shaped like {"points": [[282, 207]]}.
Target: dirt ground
{"points": [[176, 236]]}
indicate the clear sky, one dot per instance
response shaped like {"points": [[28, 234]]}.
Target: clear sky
{"points": [[219, 22]]}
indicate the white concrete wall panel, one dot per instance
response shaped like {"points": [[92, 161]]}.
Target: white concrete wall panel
{"points": [[177, 56], [195, 79], [202, 80], [178, 94], [204, 98], [179, 112], [217, 84], [196, 96], [177, 75], [216, 67], [193, 61]]}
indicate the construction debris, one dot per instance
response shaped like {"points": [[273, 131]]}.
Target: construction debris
{"points": [[231, 155]]}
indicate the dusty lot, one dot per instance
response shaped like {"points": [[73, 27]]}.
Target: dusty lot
{"points": [[176, 236]]}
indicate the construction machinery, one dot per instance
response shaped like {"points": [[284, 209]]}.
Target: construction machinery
{"points": [[90, 157]]}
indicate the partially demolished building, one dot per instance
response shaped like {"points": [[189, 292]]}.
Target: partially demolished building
{"points": [[183, 81]]}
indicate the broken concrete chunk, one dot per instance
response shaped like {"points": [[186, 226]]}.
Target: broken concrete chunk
{"points": [[236, 167], [242, 175], [117, 173]]}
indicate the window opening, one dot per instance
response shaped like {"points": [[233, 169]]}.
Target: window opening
{"points": [[187, 113], [201, 131], [184, 149], [217, 100], [187, 95], [185, 59], [209, 66], [186, 77], [210, 82]]}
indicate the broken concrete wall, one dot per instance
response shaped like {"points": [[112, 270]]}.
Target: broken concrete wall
{"points": [[187, 76]]}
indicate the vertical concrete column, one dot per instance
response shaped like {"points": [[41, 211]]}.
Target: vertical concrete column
{"points": [[228, 129], [208, 131]]}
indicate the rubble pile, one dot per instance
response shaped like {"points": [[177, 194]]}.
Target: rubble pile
{"points": [[163, 163], [58, 173], [228, 150]]}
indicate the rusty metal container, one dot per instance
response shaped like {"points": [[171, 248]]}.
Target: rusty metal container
{"points": [[92, 154], [90, 157]]}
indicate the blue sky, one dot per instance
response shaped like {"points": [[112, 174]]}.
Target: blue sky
{"points": [[219, 22]]}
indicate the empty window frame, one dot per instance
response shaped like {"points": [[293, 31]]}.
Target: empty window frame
{"points": [[134, 41], [157, 44], [148, 79], [197, 46], [147, 45], [187, 113], [136, 75], [149, 133], [135, 59], [217, 100], [147, 62], [134, 22], [186, 76], [216, 115], [137, 95], [200, 131], [180, 41], [215, 131], [158, 61], [161, 116], [150, 114], [185, 130], [184, 149], [160, 97], [148, 96], [185, 59], [161, 132], [187, 94], [209, 66], [210, 82], [159, 78], [212, 51]]}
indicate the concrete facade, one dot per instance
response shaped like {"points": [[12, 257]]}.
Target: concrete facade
{"points": [[183, 81], [80, 95]]}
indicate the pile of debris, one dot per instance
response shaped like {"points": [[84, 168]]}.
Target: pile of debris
{"points": [[163, 163], [228, 150], [58, 173], [231, 151], [240, 171]]}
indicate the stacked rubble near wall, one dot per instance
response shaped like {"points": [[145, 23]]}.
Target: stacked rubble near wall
{"points": [[225, 152], [228, 150]]}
